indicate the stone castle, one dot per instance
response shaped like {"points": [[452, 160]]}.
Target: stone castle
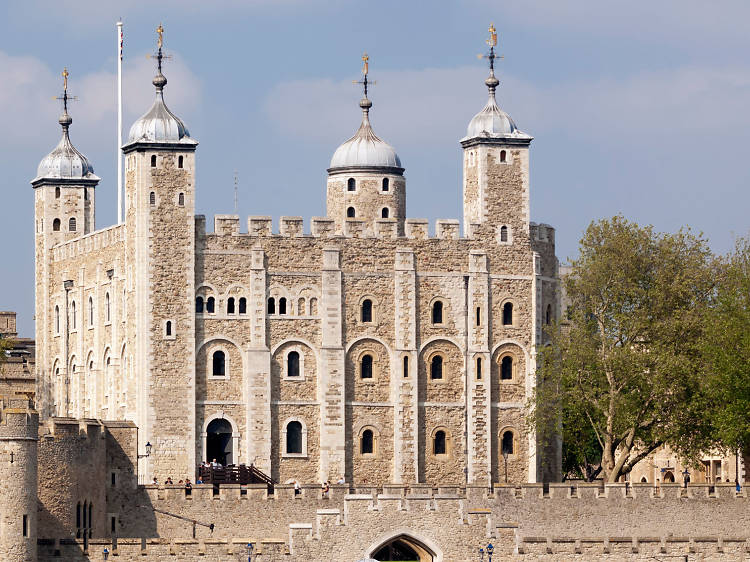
{"points": [[368, 353]]}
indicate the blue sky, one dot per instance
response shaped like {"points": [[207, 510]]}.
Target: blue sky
{"points": [[638, 108]]}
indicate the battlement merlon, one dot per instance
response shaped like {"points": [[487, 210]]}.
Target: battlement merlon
{"points": [[18, 419]]}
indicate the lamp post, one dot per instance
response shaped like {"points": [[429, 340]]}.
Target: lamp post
{"points": [[505, 458], [249, 549], [148, 451]]}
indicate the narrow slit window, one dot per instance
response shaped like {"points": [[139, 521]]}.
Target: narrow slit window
{"points": [[73, 315], [351, 184], [503, 234], [152, 198], [386, 185], [243, 305], [25, 525], [437, 312], [57, 193], [479, 316], [507, 447], [406, 366], [107, 315], [508, 314], [367, 310], [153, 160], [168, 328], [548, 315], [282, 305], [503, 156], [367, 446], [439, 444], [180, 161], [230, 305], [199, 305], [436, 367], [271, 306], [366, 367], [91, 311], [181, 199], [292, 364], [210, 305], [479, 368]]}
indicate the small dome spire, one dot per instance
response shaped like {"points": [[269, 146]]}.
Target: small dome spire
{"points": [[492, 121], [65, 161], [159, 124], [365, 149]]}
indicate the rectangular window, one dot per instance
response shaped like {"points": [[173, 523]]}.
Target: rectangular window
{"points": [[25, 525], [113, 479], [112, 521]]}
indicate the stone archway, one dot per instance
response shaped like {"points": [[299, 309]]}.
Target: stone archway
{"points": [[219, 442], [403, 548]]}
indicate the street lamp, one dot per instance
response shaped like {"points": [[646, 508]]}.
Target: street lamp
{"points": [[249, 549], [105, 553], [505, 458], [148, 451]]}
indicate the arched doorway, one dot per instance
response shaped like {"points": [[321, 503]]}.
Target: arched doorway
{"points": [[219, 442], [669, 476], [403, 549]]}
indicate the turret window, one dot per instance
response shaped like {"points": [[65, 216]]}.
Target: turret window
{"points": [[350, 213], [508, 314], [271, 306], [282, 305], [152, 198], [168, 328], [210, 305], [179, 161], [384, 213], [72, 224], [503, 156], [230, 305], [153, 160], [199, 305], [243, 305], [479, 368], [351, 184], [56, 225], [181, 199], [386, 185], [57, 193]]}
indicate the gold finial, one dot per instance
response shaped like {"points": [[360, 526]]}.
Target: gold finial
{"points": [[160, 33], [65, 75], [366, 65], [492, 41]]}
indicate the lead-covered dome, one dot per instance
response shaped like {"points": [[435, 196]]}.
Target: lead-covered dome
{"points": [[159, 124], [365, 149], [65, 161], [493, 121]]}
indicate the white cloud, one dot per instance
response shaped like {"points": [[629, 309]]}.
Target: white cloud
{"points": [[433, 106], [30, 86]]}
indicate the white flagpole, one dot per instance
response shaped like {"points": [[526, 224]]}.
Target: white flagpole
{"points": [[119, 122]]}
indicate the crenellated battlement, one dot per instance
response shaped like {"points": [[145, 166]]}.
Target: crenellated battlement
{"points": [[542, 233], [323, 227], [89, 243], [66, 428]]}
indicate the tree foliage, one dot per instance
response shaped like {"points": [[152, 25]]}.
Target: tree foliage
{"points": [[622, 374]]}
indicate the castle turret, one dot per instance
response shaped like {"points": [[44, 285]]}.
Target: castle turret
{"points": [[365, 178], [19, 424], [496, 169], [63, 210], [160, 241]]}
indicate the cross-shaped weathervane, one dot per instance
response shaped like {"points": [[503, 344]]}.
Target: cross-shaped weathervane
{"points": [[65, 98], [492, 42], [365, 72]]}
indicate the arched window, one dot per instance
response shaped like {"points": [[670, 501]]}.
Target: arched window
{"points": [[271, 306], [366, 367], [57, 319], [386, 187], [152, 198], [294, 437], [367, 443], [57, 193], [313, 306], [282, 305], [219, 367], [301, 306], [439, 443], [181, 198], [107, 315], [56, 225], [91, 311], [210, 305], [548, 315], [350, 213], [507, 446], [503, 156], [168, 328], [503, 234], [508, 314], [72, 224], [243, 305], [384, 213], [436, 367], [179, 161], [351, 184], [199, 305], [479, 368], [73, 315], [437, 312], [153, 160], [230, 305], [292, 364], [367, 310], [506, 368], [406, 366]]}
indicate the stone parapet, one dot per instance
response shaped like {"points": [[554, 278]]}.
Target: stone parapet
{"points": [[89, 243]]}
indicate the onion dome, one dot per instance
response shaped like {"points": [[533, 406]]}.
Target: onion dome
{"points": [[159, 125], [65, 161], [365, 149]]}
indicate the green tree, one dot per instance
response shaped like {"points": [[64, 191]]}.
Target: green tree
{"points": [[726, 353], [622, 374]]}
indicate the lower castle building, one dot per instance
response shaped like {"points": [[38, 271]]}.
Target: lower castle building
{"points": [[362, 346]]}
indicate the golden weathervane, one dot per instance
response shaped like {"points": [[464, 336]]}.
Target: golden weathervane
{"points": [[160, 33]]}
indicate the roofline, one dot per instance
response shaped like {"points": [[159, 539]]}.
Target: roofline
{"points": [[142, 145], [504, 141], [379, 169], [85, 182]]}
